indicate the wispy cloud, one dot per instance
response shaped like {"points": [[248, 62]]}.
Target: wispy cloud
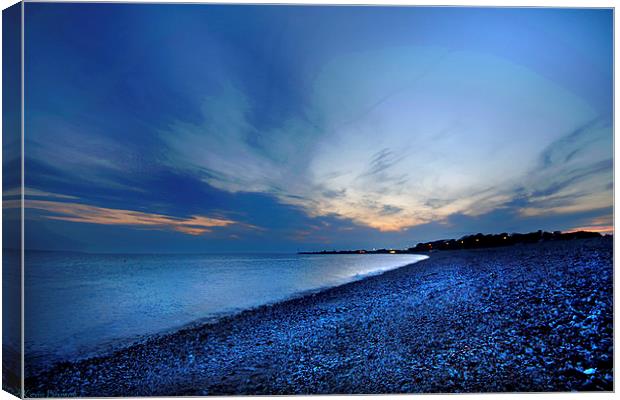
{"points": [[602, 224], [574, 173], [83, 213], [80, 152], [31, 192], [394, 150]]}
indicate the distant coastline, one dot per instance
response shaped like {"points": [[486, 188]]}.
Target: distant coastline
{"points": [[476, 241]]}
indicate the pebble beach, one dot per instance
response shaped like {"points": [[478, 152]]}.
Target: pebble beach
{"points": [[524, 318]]}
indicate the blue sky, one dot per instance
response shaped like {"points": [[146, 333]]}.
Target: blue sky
{"points": [[202, 128]]}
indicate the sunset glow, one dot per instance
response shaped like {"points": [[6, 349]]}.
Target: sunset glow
{"points": [[390, 125]]}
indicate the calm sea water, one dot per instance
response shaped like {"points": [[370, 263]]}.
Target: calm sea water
{"points": [[80, 304]]}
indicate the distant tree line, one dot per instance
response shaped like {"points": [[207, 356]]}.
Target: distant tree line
{"points": [[476, 241], [503, 239]]}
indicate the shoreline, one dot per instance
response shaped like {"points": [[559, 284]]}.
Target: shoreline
{"points": [[369, 335], [120, 344]]}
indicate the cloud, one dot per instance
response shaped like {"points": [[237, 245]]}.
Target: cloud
{"points": [[601, 224], [83, 213], [400, 137], [605, 229], [82, 151], [227, 151], [31, 192], [574, 173]]}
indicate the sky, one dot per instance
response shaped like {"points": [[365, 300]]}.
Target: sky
{"points": [[206, 128]]}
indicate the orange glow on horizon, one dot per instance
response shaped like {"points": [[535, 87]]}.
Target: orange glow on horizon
{"points": [[603, 229], [76, 212]]}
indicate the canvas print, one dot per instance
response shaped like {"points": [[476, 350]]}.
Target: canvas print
{"points": [[204, 199]]}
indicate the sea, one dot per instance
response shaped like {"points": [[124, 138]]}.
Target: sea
{"points": [[80, 305]]}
